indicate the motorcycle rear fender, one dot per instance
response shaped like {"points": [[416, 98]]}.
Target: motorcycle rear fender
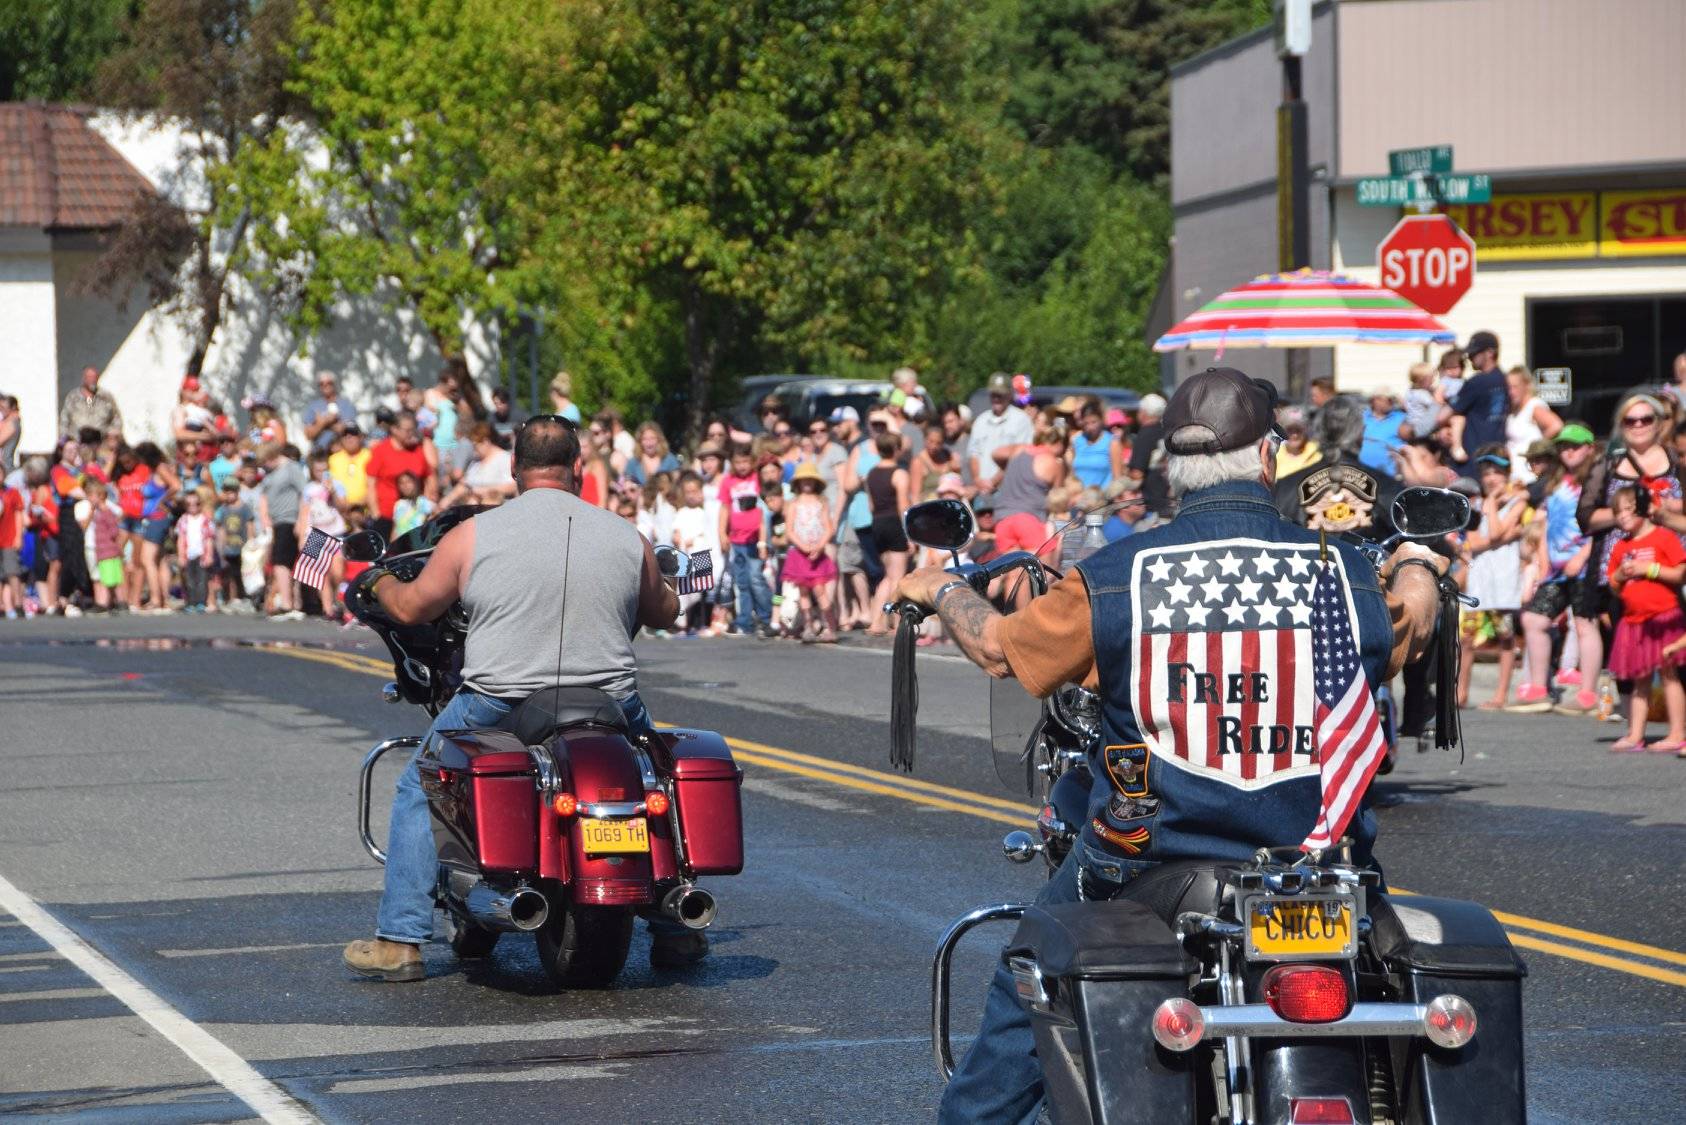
{"points": [[598, 765], [1439, 945]]}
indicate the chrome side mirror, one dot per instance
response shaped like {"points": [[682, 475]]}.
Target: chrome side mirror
{"points": [[672, 562], [947, 525], [363, 546], [1428, 513]]}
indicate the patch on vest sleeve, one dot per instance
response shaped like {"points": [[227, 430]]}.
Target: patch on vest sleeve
{"points": [[1221, 661], [1338, 498]]}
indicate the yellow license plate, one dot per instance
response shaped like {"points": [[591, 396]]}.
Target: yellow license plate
{"points": [[1282, 927], [605, 837]]}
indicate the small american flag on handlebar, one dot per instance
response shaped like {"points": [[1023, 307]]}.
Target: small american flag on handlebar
{"points": [[701, 575]]}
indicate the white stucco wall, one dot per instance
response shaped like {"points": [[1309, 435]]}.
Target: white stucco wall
{"points": [[52, 330], [28, 355]]}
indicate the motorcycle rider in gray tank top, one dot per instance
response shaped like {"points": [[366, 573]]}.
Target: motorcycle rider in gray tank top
{"points": [[555, 591]]}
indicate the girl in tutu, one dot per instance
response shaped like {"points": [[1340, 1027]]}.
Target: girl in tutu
{"points": [[1647, 568]]}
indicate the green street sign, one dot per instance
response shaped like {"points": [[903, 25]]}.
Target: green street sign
{"points": [[1403, 191], [1434, 158], [1477, 188]]}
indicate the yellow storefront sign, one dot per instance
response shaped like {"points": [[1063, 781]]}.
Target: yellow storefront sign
{"points": [[1634, 224], [1576, 224], [1543, 225]]}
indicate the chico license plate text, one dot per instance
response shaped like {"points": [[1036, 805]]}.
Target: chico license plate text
{"points": [[1299, 927]]}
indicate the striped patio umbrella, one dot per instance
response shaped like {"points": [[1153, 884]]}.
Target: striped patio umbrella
{"points": [[1307, 309]]}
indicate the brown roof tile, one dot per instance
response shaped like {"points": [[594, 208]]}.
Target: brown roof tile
{"points": [[57, 173]]}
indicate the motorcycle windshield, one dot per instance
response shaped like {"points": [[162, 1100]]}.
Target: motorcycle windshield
{"points": [[1014, 716]]}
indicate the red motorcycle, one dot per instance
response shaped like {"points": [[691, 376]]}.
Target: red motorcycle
{"points": [[559, 823]]}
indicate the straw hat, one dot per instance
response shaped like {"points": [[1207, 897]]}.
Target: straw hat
{"points": [[807, 470]]}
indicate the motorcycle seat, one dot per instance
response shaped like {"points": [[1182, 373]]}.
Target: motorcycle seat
{"points": [[1176, 886], [545, 712]]}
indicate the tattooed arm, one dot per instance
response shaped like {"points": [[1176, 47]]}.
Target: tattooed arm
{"points": [[1043, 645]]}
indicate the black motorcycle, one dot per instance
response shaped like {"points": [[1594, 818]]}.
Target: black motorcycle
{"points": [[1287, 990]]}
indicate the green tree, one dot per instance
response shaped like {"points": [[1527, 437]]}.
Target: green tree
{"points": [[50, 49], [212, 69], [796, 176], [1098, 71], [400, 174], [1073, 261]]}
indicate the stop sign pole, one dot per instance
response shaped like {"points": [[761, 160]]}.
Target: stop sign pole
{"points": [[1428, 260]]}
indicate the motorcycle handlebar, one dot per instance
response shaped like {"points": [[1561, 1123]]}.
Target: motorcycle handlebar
{"points": [[980, 575]]}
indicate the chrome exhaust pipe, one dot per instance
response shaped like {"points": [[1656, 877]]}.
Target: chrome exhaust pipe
{"points": [[521, 909], [690, 906]]}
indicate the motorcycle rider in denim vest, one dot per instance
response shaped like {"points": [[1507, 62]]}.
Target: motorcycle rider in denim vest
{"points": [[1196, 635]]}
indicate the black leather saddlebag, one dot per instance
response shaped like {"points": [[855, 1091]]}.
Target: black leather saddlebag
{"points": [[1091, 974]]}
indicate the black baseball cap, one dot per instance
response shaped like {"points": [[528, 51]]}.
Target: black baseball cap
{"points": [[1480, 342], [1218, 410]]}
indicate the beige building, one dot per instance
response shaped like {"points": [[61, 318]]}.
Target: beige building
{"points": [[1574, 110]]}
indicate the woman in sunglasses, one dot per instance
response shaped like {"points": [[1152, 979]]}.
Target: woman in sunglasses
{"points": [[1639, 456]]}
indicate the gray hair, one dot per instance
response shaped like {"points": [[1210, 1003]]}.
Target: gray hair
{"points": [[1189, 472], [1340, 426], [36, 471], [1151, 406]]}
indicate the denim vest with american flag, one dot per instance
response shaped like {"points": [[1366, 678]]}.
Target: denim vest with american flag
{"points": [[1205, 642]]}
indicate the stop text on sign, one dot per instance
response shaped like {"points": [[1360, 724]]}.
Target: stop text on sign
{"points": [[1427, 260], [1413, 267]]}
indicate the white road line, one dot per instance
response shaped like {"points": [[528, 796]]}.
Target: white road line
{"points": [[52, 994], [38, 955], [268, 1100]]}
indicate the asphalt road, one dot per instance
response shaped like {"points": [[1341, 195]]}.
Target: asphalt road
{"points": [[185, 809]]}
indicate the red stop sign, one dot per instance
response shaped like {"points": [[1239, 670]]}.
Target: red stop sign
{"points": [[1429, 261]]}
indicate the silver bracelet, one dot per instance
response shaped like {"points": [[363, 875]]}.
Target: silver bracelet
{"points": [[937, 598]]}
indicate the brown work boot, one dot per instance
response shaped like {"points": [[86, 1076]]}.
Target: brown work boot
{"points": [[385, 960]]}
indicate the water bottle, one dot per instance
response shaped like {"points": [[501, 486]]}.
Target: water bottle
{"points": [[1606, 696], [1093, 537], [1079, 542]]}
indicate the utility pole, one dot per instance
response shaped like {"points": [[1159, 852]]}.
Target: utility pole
{"points": [[1293, 175]]}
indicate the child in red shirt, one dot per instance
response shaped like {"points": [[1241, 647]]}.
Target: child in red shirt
{"points": [[1647, 569], [11, 544], [741, 538]]}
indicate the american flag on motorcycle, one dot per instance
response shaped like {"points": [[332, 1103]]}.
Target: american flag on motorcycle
{"points": [[315, 557], [1350, 741], [701, 576], [1222, 643]]}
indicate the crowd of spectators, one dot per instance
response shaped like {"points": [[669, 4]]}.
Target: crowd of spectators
{"points": [[212, 519], [1575, 560]]}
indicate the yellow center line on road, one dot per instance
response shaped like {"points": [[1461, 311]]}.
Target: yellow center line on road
{"points": [[986, 807]]}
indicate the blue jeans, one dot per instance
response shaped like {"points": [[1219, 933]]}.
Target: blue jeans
{"points": [[412, 865], [999, 1080], [754, 598]]}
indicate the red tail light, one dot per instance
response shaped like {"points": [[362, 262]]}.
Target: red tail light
{"points": [[655, 803], [1320, 1111], [565, 804], [1307, 993]]}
